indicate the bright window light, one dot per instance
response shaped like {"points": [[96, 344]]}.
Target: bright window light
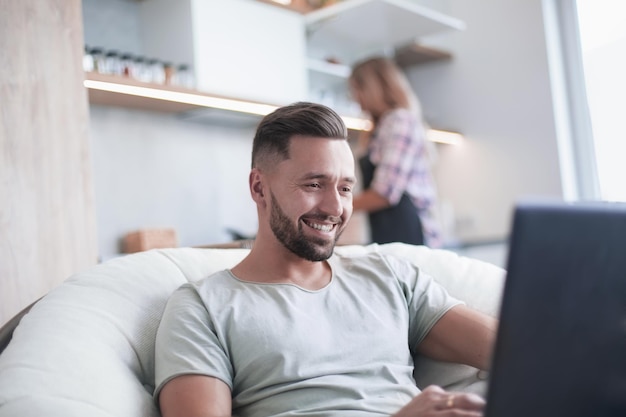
{"points": [[602, 25]]}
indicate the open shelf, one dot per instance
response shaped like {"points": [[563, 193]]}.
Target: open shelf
{"points": [[351, 29], [328, 68], [112, 90], [415, 54]]}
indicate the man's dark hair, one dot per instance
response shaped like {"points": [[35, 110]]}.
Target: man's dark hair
{"points": [[271, 141]]}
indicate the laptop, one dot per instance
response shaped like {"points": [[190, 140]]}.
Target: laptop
{"points": [[561, 343]]}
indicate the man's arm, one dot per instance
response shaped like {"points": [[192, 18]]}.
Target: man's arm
{"points": [[462, 335], [195, 396]]}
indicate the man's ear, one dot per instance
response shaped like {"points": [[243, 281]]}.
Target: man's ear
{"points": [[257, 185]]}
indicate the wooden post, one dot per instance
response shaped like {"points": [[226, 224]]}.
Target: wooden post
{"points": [[47, 214]]}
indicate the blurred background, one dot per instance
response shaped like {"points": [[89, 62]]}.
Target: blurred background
{"points": [[110, 123]]}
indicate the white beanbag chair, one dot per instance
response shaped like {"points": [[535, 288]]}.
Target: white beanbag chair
{"points": [[87, 348]]}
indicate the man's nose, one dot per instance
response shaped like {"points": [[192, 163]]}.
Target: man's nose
{"points": [[332, 203]]}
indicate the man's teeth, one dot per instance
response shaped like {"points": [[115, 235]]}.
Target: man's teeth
{"points": [[322, 227]]}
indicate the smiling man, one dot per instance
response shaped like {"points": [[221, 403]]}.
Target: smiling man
{"points": [[297, 330]]}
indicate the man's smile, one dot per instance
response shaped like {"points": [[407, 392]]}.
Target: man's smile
{"points": [[319, 226]]}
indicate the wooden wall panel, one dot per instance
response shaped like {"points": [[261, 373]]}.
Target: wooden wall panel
{"points": [[47, 219]]}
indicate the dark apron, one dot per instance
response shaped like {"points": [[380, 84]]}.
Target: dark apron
{"points": [[399, 223]]}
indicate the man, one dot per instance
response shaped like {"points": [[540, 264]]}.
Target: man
{"points": [[296, 330]]}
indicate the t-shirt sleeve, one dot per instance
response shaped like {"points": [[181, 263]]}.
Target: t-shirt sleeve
{"points": [[427, 300], [187, 343]]}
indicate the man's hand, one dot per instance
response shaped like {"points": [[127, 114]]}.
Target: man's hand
{"points": [[434, 401]]}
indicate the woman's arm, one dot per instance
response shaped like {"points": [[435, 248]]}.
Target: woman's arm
{"points": [[369, 200]]}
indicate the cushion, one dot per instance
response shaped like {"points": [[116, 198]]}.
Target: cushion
{"points": [[87, 348]]}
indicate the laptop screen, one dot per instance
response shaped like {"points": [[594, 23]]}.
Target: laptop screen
{"points": [[561, 343]]}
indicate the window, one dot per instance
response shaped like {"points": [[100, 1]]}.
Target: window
{"points": [[586, 42], [602, 28]]}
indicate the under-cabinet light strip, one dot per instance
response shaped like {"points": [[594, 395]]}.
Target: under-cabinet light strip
{"points": [[181, 97], [240, 106], [444, 136]]}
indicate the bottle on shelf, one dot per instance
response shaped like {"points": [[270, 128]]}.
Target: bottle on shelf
{"points": [[113, 64], [184, 77], [127, 62], [99, 64], [156, 71], [88, 64], [140, 70], [169, 72]]}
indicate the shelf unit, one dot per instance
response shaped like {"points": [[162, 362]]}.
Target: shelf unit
{"points": [[378, 14], [352, 29], [334, 33], [345, 32]]}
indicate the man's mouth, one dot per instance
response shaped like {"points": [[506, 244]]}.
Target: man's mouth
{"points": [[319, 226]]}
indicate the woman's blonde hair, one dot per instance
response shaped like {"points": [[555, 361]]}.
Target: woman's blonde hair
{"points": [[395, 90]]}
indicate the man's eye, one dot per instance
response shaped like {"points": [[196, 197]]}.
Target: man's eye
{"points": [[314, 185]]}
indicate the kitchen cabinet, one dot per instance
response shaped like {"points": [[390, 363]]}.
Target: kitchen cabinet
{"points": [[237, 48]]}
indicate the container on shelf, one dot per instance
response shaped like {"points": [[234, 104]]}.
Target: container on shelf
{"points": [[127, 63], [184, 77], [112, 64], [156, 70], [99, 63], [88, 64], [141, 71], [169, 71]]}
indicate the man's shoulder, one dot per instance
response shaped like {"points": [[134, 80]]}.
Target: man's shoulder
{"points": [[373, 260], [218, 278], [365, 253]]}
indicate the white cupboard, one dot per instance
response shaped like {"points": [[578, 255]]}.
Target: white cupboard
{"points": [[237, 48]]}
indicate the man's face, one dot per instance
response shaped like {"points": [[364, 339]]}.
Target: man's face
{"points": [[311, 196]]}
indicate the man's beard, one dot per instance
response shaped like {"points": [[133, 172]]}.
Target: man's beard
{"points": [[294, 239]]}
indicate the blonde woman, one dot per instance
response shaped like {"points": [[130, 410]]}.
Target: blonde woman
{"points": [[399, 192]]}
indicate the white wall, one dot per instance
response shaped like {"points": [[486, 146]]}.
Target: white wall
{"points": [[155, 170], [112, 24], [496, 91]]}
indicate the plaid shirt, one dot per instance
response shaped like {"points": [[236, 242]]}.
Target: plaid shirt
{"points": [[398, 150]]}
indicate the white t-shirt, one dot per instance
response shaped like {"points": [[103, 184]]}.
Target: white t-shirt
{"points": [[345, 349]]}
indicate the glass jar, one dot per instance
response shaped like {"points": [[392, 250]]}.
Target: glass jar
{"points": [[184, 77], [140, 70], [98, 57], [88, 64], [113, 64], [127, 62], [157, 72], [169, 71]]}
